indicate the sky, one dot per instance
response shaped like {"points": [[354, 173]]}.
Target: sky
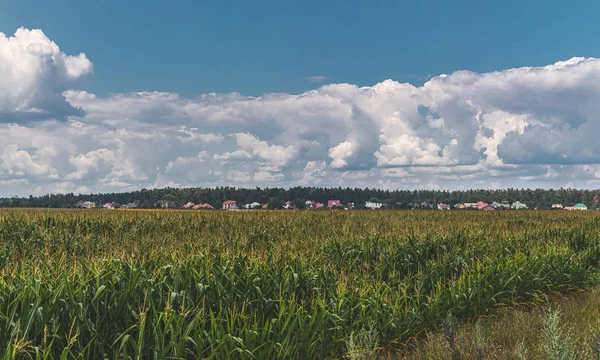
{"points": [[116, 96]]}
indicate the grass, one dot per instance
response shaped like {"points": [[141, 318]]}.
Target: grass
{"points": [[567, 327], [263, 285]]}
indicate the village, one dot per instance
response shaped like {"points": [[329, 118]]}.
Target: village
{"points": [[232, 205]]}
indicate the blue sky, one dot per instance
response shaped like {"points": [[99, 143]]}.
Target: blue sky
{"points": [[106, 96], [193, 47]]}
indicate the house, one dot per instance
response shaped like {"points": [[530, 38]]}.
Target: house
{"points": [[350, 205], [579, 206], [165, 204], [288, 205], [230, 205], [131, 205], [188, 205], [86, 205], [426, 205], [334, 203], [319, 205], [517, 205], [499, 206], [459, 206], [469, 205], [110, 205], [373, 205], [442, 206], [254, 205], [480, 205], [310, 204], [557, 206], [265, 206], [489, 208], [203, 206]]}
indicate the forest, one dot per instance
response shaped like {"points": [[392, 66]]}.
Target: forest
{"points": [[276, 197]]}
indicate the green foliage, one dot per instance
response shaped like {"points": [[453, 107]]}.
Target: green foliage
{"points": [[521, 352], [557, 341], [276, 197], [363, 345], [181, 284]]}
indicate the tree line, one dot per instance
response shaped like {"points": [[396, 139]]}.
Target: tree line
{"points": [[276, 197]]}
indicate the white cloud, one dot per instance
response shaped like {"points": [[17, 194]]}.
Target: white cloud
{"points": [[317, 78], [20, 162], [533, 126], [339, 153], [34, 73], [271, 155], [262, 176]]}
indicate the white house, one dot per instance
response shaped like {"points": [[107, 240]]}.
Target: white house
{"points": [[254, 205], [230, 205], [441, 206], [110, 205], [518, 205], [579, 207], [373, 205]]}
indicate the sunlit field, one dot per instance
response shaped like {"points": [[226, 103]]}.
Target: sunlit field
{"points": [[272, 284]]}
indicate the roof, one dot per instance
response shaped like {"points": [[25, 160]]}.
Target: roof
{"points": [[228, 202], [203, 206], [579, 205]]}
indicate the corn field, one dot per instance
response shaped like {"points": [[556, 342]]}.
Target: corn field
{"points": [[271, 284]]}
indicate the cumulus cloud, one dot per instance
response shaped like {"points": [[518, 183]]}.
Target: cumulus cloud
{"points": [[532, 126], [35, 73]]}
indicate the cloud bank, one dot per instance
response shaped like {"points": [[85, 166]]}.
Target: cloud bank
{"points": [[524, 127]]}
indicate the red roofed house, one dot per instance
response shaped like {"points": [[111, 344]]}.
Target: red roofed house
{"points": [[86, 204], [319, 205], [442, 206], [333, 203], [111, 205], [203, 206], [480, 205], [230, 205]]}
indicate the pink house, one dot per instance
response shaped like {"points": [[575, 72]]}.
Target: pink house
{"points": [[319, 205], [480, 205], [333, 203]]}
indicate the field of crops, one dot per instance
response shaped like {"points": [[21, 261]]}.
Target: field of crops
{"points": [[271, 284]]}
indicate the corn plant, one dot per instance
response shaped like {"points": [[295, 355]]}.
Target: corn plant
{"points": [[262, 285]]}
